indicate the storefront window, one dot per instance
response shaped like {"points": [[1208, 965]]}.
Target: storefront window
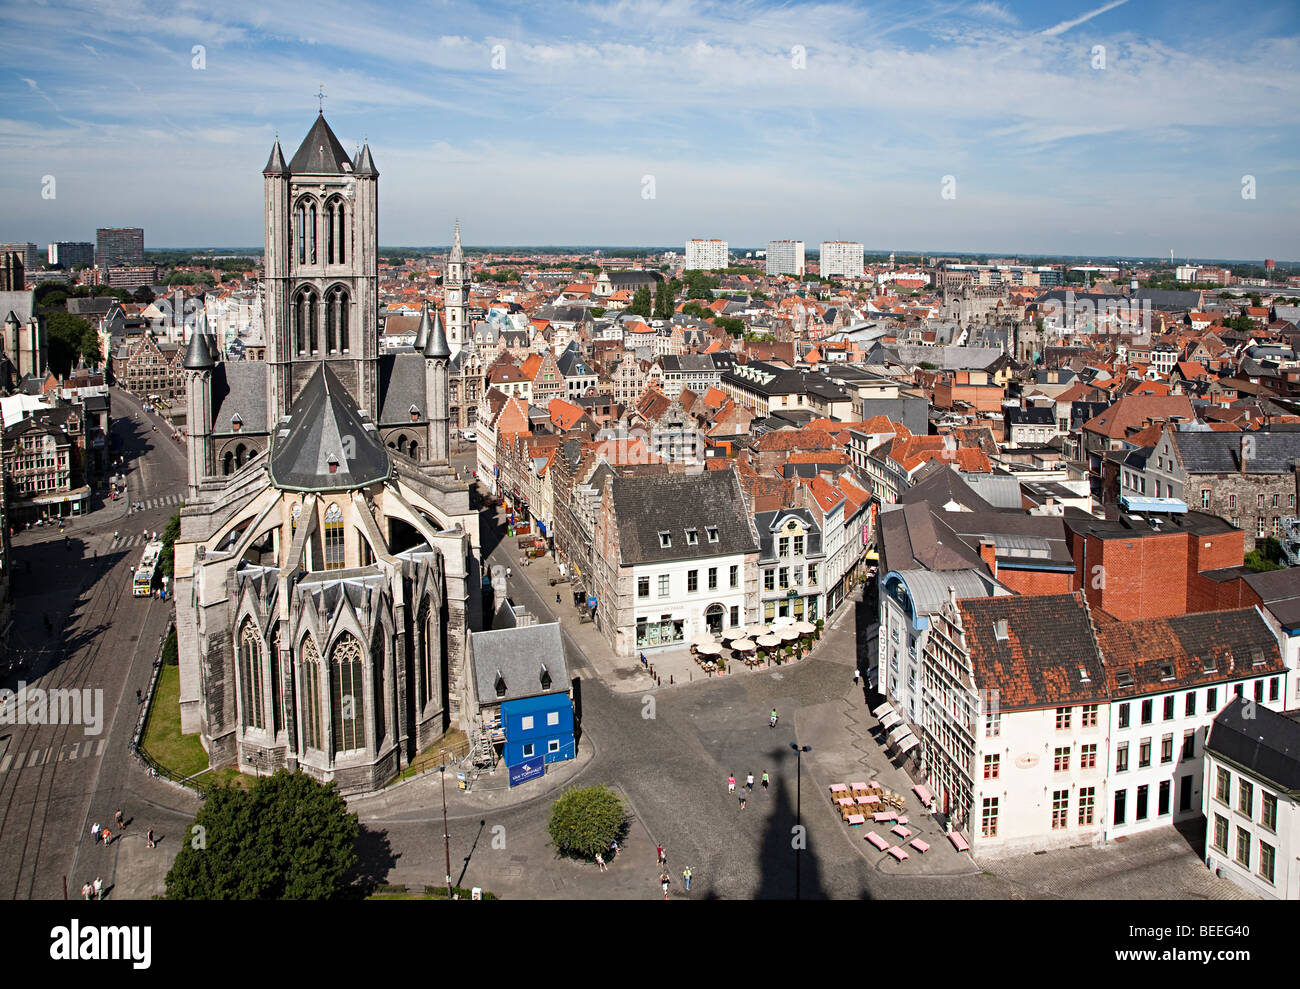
{"points": [[662, 632]]}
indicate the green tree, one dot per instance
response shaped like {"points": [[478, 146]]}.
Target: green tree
{"points": [[71, 338], [730, 324], [1268, 556], [641, 304], [190, 278], [597, 311], [585, 821], [167, 558], [143, 294], [289, 838]]}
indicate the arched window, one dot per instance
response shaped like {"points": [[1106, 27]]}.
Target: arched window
{"points": [[336, 320], [227, 463], [302, 233], [336, 235], [251, 697], [427, 657], [240, 452], [334, 538], [414, 450], [293, 518], [347, 692], [311, 695], [311, 234], [377, 664], [277, 704], [305, 319], [401, 443], [330, 319]]}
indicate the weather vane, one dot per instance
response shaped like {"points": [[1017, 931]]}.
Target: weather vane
{"points": [[320, 97]]}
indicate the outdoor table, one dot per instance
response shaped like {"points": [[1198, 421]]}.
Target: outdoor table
{"points": [[901, 831], [856, 819], [878, 841], [838, 788], [845, 801], [866, 801], [884, 815], [919, 845], [902, 818], [958, 842], [898, 853], [859, 789]]}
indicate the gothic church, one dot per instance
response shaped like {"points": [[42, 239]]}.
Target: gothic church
{"points": [[326, 573]]}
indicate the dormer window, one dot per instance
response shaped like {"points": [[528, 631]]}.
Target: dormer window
{"points": [[1124, 678], [692, 537], [712, 532], [236, 422], [415, 413], [665, 539], [334, 464], [1166, 671], [500, 684], [546, 678], [1001, 630]]}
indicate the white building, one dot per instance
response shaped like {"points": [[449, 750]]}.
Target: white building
{"points": [[785, 257], [706, 254], [841, 257], [1252, 777]]}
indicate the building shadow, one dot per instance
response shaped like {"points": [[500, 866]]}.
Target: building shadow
{"points": [[375, 859], [781, 863]]}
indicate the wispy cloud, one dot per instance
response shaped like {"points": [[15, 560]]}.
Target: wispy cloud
{"points": [[1066, 25]]}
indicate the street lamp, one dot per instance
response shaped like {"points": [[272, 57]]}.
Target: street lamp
{"points": [[798, 808], [446, 837]]}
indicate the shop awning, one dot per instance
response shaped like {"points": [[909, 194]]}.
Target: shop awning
{"points": [[897, 733], [908, 744], [880, 711], [890, 719]]}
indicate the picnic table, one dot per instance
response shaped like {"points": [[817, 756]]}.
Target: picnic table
{"points": [[856, 819], [878, 841], [958, 842], [884, 815], [919, 845], [898, 853], [901, 831]]}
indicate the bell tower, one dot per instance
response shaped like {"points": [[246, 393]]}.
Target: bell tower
{"points": [[322, 269], [455, 300]]}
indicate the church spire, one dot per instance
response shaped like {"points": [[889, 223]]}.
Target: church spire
{"points": [[456, 253], [275, 165]]}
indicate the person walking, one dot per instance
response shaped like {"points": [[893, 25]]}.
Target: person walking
{"points": [[86, 889], [99, 888], [772, 722], [94, 832], [600, 862], [664, 880], [139, 696], [749, 781], [117, 819], [509, 573], [743, 800], [659, 851], [731, 783], [108, 836], [148, 838], [557, 598], [857, 675], [686, 875], [765, 781]]}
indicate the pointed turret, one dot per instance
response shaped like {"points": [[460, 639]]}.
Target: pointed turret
{"points": [[320, 152], [422, 332], [456, 253], [275, 165], [436, 345], [198, 355], [365, 165]]}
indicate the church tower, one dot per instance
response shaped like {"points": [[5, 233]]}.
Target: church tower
{"points": [[321, 269], [455, 299]]}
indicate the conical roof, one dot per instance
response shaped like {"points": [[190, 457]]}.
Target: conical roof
{"points": [[275, 164], [326, 430], [320, 153], [365, 165], [436, 345], [457, 254], [422, 331], [199, 353]]}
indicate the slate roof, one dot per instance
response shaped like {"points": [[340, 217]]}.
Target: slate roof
{"points": [[1220, 453], [572, 365], [518, 655], [1049, 641], [1162, 654], [320, 153], [767, 524], [913, 537], [239, 388], [645, 506], [22, 305], [1266, 743], [401, 385], [944, 484], [1280, 592], [324, 427]]}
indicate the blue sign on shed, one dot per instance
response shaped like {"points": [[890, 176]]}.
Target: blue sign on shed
{"points": [[526, 771]]}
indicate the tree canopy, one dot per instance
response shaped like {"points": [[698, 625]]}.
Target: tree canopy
{"points": [[288, 838], [641, 304], [71, 338], [585, 821]]}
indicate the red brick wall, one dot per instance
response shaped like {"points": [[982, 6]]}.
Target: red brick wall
{"points": [[1036, 582], [1141, 578]]}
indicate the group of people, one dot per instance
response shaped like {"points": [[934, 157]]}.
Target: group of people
{"points": [[105, 834], [93, 890], [749, 786], [664, 878]]}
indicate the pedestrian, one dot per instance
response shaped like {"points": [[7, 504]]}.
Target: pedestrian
{"points": [[772, 722], [557, 598], [108, 836], [686, 875], [139, 696], [765, 781], [659, 850], [94, 831], [643, 660], [99, 888], [117, 819], [743, 800], [731, 783], [600, 861], [148, 839], [85, 891], [613, 848], [857, 675], [509, 573], [749, 782], [664, 880]]}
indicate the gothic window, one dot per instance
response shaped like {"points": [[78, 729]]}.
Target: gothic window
{"points": [[377, 661], [414, 450], [302, 233], [304, 322], [311, 234], [334, 538], [347, 686], [336, 231], [241, 452], [311, 696], [293, 521], [277, 706], [426, 655], [227, 463], [336, 320], [251, 696]]}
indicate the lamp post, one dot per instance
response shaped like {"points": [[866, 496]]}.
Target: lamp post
{"points": [[798, 808], [446, 837]]}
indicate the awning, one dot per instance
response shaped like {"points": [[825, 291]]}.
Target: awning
{"points": [[895, 734], [908, 744], [880, 711], [890, 719]]}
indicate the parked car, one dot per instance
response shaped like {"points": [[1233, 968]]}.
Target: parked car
{"points": [[470, 435]]}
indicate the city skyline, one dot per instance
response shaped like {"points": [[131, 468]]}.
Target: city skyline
{"points": [[541, 129]]}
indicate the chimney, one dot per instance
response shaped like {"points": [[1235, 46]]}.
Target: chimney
{"points": [[988, 553]]}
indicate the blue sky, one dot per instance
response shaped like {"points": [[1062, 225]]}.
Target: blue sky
{"points": [[1050, 152]]}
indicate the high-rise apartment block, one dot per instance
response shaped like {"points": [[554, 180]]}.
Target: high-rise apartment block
{"points": [[785, 257], [701, 254], [841, 257], [31, 257], [69, 254], [116, 246]]}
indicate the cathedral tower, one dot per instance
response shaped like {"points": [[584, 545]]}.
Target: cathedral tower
{"points": [[455, 298], [322, 269]]}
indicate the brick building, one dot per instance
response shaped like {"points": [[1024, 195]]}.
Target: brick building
{"points": [[146, 367]]}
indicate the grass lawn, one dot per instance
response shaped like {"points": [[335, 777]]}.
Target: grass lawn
{"points": [[182, 755]]}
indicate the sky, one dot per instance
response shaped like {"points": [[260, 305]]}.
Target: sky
{"points": [[1108, 128]]}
